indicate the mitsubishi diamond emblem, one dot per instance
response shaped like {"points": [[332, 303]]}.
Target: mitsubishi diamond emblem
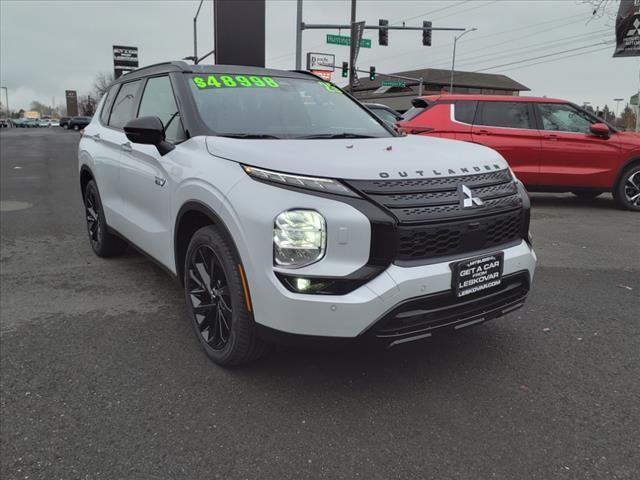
{"points": [[467, 198]]}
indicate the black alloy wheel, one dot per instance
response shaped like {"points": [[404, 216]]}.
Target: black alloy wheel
{"points": [[103, 243], [218, 300], [209, 293], [93, 219], [627, 192]]}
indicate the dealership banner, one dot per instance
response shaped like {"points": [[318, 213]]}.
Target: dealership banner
{"points": [[125, 59], [628, 29]]}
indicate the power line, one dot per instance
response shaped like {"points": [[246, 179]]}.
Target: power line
{"points": [[537, 32], [608, 47], [540, 56], [519, 51], [468, 9], [430, 12]]}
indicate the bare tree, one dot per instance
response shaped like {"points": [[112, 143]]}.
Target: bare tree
{"points": [[602, 8], [87, 105], [101, 83]]}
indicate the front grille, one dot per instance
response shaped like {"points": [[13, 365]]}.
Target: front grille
{"points": [[433, 223], [457, 238]]}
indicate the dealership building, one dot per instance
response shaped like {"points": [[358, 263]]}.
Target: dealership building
{"points": [[434, 81]]}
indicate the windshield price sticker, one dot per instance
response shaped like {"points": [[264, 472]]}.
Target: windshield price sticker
{"points": [[233, 81], [329, 87]]}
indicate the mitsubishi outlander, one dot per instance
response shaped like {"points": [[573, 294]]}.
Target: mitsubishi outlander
{"points": [[286, 210]]}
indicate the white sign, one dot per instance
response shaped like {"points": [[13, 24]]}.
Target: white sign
{"points": [[321, 61]]}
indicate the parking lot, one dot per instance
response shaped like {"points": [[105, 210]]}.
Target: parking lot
{"points": [[102, 376]]}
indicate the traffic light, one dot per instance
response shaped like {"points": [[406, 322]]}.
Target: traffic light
{"points": [[372, 73], [426, 34], [383, 33], [345, 69]]}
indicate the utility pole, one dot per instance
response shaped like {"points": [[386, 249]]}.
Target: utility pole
{"points": [[195, 33], [6, 92], [453, 61], [352, 47], [299, 35]]}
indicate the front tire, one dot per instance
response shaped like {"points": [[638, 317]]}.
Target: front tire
{"points": [[216, 303], [76, 127], [103, 243], [627, 191]]}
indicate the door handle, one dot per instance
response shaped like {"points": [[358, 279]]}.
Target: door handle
{"points": [[126, 147], [553, 138], [483, 132]]}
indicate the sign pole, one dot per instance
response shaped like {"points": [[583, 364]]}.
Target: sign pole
{"points": [[352, 47], [299, 35]]}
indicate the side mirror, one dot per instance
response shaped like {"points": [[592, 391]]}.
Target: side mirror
{"points": [[600, 129], [148, 131]]}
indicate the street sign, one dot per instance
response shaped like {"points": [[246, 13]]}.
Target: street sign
{"points": [[321, 61], [125, 59], [346, 41], [394, 83], [634, 99], [325, 75]]}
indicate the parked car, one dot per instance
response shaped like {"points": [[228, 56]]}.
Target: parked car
{"points": [[44, 122], [54, 122], [64, 122], [29, 123], [4, 123], [78, 123], [280, 221], [552, 145], [384, 113]]}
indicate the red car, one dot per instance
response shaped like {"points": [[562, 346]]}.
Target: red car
{"points": [[552, 145]]}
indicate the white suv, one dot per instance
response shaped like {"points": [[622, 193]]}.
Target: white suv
{"points": [[287, 210]]}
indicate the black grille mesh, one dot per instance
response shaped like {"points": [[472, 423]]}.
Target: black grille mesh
{"points": [[432, 221]]}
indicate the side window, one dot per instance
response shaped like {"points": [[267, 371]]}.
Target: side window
{"points": [[106, 106], [124, 104], [464, 111], [505, 114], [158, 101], [564, 118]]}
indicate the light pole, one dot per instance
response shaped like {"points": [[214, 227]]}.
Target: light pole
{"points": [[6, 93], [453, 61], [617, 100], [195, 36]]}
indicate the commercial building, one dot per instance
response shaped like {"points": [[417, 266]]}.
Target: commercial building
{"points": [[434, 81]]}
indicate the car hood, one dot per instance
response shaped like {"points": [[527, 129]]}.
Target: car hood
{"points": [[411, 156]]}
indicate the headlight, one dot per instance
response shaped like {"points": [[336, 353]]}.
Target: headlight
{"points": [[299, 238], [327, 185]]}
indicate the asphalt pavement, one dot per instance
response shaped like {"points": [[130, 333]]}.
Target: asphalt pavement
{"points": [[101, 376]]}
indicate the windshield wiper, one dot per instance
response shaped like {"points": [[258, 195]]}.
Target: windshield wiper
{"points": [[247, 135], [338, 135]]}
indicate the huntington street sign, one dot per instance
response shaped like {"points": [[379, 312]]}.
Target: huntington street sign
{"points": [[393, 83], [346, 41]]}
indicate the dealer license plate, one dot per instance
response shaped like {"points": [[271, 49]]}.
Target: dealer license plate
{"points": [[477, 274]]}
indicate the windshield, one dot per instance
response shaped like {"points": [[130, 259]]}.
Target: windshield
{"points": [[279, 107]]}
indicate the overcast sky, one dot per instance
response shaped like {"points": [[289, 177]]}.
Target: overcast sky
{"points": [[48, 47]]}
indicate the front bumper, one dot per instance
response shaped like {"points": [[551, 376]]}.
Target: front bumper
{"points": [[398, 305]]}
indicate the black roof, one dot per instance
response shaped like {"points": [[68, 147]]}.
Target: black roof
{"points": [[178, 66], [442, 77]]}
